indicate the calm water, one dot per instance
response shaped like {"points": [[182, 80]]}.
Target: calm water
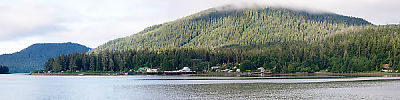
{"points": [[26, 87]]}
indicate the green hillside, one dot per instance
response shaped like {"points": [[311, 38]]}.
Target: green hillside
{"points": [[34, 57], [357, 49], [280, 40], [226, 26]]}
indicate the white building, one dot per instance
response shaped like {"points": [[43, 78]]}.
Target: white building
{"points": [[237, 70], [226, 70], [214, 67], [387, 70], [185, 69], [151, 70], [261, 69]]}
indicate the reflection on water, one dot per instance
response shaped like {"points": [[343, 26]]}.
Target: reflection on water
{"points": [[24, 87], [331, 90]]}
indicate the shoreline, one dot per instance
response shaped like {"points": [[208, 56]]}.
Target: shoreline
{"points": [[117, 73], [227, 74]]}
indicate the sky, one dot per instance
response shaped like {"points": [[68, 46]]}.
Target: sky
{"points": [[94, 22]]}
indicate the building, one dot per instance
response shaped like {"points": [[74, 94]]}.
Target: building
{"points": [[226, 70], [185, 69], [386, 68], [261, 69], [151, 70], [237, 70], [142, 69], [215, 67], [146, 69]]}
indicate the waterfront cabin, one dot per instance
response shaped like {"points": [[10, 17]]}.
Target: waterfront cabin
{"points": [[218, 70], [227, 70], [142, 69], [215, 67], [185, 69], [261, 69], [237, 70], [151, 70], [386, 68]]}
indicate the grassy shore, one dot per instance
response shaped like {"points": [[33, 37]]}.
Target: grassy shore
{"points": [[359, 74], [229, 74], [83, 73]]}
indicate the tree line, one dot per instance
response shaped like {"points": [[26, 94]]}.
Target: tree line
{"points": [[355, 49], [3, 69]]}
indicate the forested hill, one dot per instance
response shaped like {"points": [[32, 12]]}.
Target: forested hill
{"points": [[230, 26], [356, 49], [277, 39], [227, 26], [34, 57]]}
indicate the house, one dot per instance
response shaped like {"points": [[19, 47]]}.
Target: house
{"points": [[185, 69], [218, 70], [151, 70], [386, 68], [237, 70], [142, 69], [215, 67], [226, 70], [146, 69], [261, 69]]}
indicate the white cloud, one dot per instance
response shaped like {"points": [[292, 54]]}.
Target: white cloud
{"points": [[14, 45], [94, 22], [26, 19]]}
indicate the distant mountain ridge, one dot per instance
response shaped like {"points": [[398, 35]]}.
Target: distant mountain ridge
{"points": [[34, 56], [224, 26]]}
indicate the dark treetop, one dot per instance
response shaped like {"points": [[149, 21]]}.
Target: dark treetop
{"points": [[3, 69]]}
